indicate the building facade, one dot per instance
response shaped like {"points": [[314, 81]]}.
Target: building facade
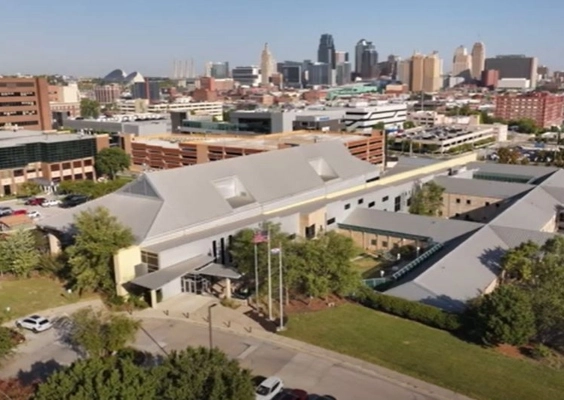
{"points": [[46, 158], [107, 94], [362, 119], [247, 76], [543, 108], [24, 103], [462, 63], [478, 60], [514, 66]]}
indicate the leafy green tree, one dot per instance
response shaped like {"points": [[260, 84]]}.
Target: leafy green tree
{"points": [[519, 263], [89, 108], [91, 189], [379, 126], [99, 235], [112, 160], [29, 188], [408, 125], [18, 253], [200, 373], [110, 378], [508, 156], [427, 199], [100, 334], [505, 316]]}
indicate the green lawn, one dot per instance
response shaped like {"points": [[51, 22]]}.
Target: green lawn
{"points": [[429, 354], [368, 266], [26, 296]]}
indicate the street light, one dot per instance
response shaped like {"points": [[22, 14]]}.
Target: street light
{"points": [[210, 323]]}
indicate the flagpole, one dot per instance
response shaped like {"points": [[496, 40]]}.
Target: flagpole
{"points": [[281, 289], [269, 279], [256, 278]]}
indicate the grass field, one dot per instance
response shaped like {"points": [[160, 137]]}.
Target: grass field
{"points": [[26, 296], [429, 354]]}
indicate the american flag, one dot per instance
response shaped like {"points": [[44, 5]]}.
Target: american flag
{"points": [[260, 237]]}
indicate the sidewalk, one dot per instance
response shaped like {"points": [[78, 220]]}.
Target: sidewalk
{"points": [[237, 322]]}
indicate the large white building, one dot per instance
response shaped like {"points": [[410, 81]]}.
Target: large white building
{"points": [[143, 106], [363, 117], [247, 76]]}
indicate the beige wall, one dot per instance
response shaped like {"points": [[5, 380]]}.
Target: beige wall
{"points": [[372, 242], [478, 209], [124, 267], [317, 218]]}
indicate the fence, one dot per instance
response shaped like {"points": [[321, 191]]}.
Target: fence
{"points": [[375, 282]]}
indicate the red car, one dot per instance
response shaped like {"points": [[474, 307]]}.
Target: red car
{"points": [[19, 212], [35, 201]]}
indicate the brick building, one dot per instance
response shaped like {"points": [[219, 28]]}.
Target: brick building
{"points": [[24, 102], [543, 108]]}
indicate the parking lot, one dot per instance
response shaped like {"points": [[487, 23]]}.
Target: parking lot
{"points": [[45, 212]]}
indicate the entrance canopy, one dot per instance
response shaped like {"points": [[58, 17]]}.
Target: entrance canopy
{"points": [[219, 270], [156, 280]]}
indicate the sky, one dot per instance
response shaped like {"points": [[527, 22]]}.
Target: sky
{"points": [[91, 38]]}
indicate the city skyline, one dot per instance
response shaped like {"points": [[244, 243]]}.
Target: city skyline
{"points": [[55, 40]]}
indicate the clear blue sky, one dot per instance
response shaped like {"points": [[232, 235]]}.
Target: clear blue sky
{"points": [[93, 37]]}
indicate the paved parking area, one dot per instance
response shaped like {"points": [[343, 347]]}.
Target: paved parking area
{"points": [[45, 212]]}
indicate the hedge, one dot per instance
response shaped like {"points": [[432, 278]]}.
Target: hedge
{"points": [[411, 310]]}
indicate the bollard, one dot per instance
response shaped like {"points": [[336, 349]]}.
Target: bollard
{"points": [[187, 315], [166, 312]]}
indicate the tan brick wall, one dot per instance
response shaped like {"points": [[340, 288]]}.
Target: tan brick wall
{"points": [[479, 209]]}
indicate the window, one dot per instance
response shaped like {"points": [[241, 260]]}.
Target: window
{"points": [[468, 202], [374, 242], [385, 198], [397, 203], [18, 172], [385, 244], [347, 206], [457, 201], [360, 201], [371, 204], [497, 205], [487, 203], [330, 221], [409, 202]]}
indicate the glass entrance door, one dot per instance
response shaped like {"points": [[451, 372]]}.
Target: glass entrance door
{"points": [[196, 284]]}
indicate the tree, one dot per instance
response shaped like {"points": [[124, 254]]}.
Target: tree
{"points": [[518, 264], [110, 378], [14, 389], [380, 126], [112, 160], [408, 125], [505, 316], [91, 189], [89, 108], [18, 254], [427, 199], [201, 373], [508, 156], [6, 341], [100, 334], [99, 235], [29, 188]]}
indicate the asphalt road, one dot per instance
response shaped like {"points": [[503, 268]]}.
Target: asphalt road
{"points": [[45, 212], [45, 351]]}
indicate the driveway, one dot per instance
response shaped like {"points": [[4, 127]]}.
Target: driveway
{"points": [[44, 352]]}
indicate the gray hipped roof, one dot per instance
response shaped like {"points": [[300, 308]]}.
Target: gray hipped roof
{"points": [[163, 202], [439, 230]]}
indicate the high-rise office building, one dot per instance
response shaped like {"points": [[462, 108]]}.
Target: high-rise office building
{"points": [[417, 68], [319, 74], [514, 66], [341, 57], [326, 50], [148, 90], [358, 50], [266, 65], [218, 70], [404, 72], [478, 60], [432, 73], [24, 102], [292, 73], [369, 62], [344, 72], [461, 63]]}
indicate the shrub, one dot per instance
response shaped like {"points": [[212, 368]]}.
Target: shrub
{"points": [[411, 310], [7, 341]]}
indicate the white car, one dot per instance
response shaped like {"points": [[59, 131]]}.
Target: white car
{"points": [[269, 388], [50, 203], [33, 214], [34, 323]]}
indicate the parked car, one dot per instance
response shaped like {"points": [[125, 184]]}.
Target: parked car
{"points": [[50, 203], [292, 394], [4, 211], [34, 323], [73, 200], [33, 214], [35, 201], [318, 397], [19, 212], [269, 388]]}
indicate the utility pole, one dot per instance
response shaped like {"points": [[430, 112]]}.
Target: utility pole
{"points": [[210, 324], [281, 328], [256, 277], [269, 279]]}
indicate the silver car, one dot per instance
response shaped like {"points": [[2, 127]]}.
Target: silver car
{"points": [[34, 323]]}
